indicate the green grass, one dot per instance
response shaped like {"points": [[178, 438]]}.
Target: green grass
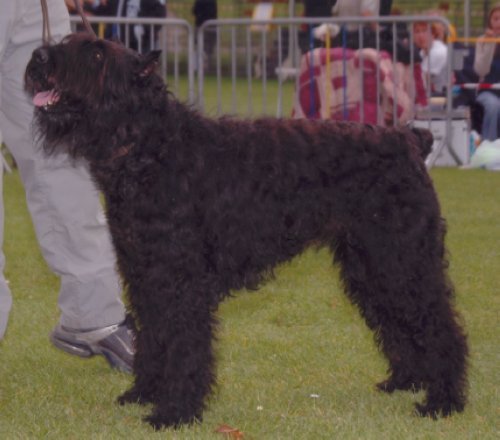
{"points": [[297, 337], [263, 99]]}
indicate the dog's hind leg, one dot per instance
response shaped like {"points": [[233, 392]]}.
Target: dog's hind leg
{"points": [[396, 277]]}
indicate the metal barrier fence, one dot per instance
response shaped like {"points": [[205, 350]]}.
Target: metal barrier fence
{"points": [[247, 41], [253, 62], [274, 67]]}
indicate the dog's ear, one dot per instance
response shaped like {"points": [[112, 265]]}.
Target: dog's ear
{"points": [[149, 63], [425, 141]]}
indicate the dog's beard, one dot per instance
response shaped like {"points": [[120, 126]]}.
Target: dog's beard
{"points": [[57, 127]]}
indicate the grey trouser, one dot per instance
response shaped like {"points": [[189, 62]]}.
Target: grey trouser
{"points": [[62, 200]]}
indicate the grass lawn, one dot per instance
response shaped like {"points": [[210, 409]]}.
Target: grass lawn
{"points": [[295, 359], [243, 97]]}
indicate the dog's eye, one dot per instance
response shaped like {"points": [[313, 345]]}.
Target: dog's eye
{"points": [[98, 55]]}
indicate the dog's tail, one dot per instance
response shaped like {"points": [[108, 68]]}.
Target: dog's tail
{"points": [[424, 141]]}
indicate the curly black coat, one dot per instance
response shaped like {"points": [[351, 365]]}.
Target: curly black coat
{"points": [[201, 207]]}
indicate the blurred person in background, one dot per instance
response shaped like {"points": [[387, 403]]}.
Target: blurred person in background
{"points": [[137, 36], [202, 11], [487, 67], [434, 54]]}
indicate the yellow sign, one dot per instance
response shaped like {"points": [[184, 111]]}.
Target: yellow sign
{"points": [[262, 11]]}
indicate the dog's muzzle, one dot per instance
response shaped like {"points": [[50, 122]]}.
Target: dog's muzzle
{"points": [[37, 81]]}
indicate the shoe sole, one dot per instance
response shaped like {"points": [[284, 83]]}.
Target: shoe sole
{"points": [[86, 351], [72, 348]]}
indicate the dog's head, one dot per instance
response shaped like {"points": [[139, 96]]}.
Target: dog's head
{"points": [[85, 85]]}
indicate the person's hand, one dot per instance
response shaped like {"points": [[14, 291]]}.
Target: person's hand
{"points": [[71, 3], [326, 30], [95, 3], [492, 33], [72, 8], [488, 33]]}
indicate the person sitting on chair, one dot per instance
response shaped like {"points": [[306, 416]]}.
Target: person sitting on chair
{"points": [[487, 66]]}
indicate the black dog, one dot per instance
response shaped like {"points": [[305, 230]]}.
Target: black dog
{"points": [[200, 207]]}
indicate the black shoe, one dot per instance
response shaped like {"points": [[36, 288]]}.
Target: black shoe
{"points": [[115, 343]]}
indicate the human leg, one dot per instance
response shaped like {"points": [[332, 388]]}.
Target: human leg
{"points": [[8, 10], [5, 295], [62, 200], [491, 106]]}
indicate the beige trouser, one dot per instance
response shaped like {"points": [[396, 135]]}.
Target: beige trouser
{"points": [[62, 200]]}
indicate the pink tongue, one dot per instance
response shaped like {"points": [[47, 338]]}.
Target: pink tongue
{"points": [[43, 98]]}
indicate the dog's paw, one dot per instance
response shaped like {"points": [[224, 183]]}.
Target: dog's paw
{"points": [[390, 385], [159, 421], [387, 386], [134, 396], [435, 411], [426, 411]]}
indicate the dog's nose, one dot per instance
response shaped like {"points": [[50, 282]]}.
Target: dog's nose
{"points": [[41, 55]]}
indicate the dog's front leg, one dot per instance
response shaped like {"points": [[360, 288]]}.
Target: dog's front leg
{"points": [[146, 367], [175, 362]]}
